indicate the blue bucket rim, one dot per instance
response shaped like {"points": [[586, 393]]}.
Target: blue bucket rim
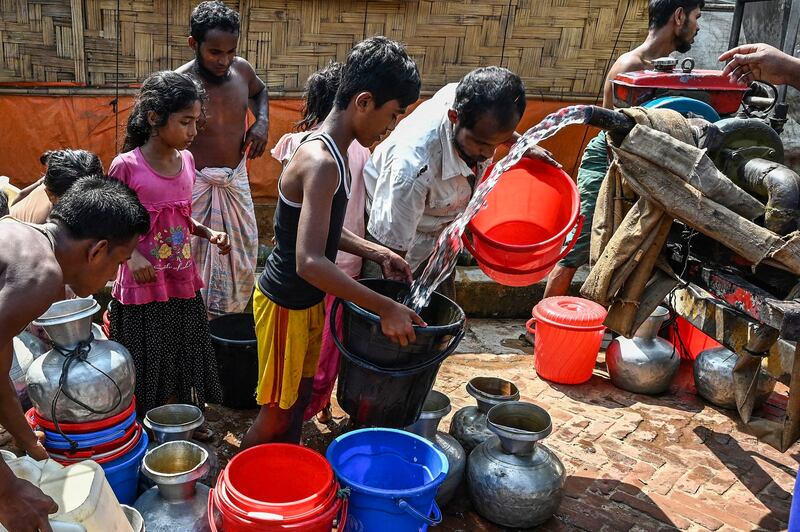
{"points": [[362, 488], [125, 461], [89, 439]]}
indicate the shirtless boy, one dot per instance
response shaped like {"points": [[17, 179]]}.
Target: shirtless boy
{"points": [[221, 198], [91, 231]]}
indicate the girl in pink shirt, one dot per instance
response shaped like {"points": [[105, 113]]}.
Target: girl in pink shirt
{"points": [[157, 311], [319, 95]]}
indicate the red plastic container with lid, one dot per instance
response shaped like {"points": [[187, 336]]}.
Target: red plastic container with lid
{"points": [[568, 332]]}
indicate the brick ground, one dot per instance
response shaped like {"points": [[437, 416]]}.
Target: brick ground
{"points": [[633, 462], [636, 462]]}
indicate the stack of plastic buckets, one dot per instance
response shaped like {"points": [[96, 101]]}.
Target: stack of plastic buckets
{"points": [[117, 443], [276, 486]]}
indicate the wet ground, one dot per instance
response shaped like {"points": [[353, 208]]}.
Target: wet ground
{"points": [[633, 462]]}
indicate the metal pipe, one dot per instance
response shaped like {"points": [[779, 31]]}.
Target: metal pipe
{"points": [[781, 186], [613, 121], [736, 26]]}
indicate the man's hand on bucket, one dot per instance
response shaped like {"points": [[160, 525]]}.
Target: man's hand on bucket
{"points": [[395, 267], [537, 152]]}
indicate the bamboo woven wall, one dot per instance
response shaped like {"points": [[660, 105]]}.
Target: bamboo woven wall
{"points": [[560, 48]]}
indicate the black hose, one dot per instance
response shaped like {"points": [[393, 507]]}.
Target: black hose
{"points": [[79, 353]]}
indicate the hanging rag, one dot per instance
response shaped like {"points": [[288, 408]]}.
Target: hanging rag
{"points": [[628, 234], [221, 201]]}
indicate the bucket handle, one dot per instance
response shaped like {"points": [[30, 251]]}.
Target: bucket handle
{"points": [[530, 326], [430, 521], [212, 524], [374, 367], [514, 271]]}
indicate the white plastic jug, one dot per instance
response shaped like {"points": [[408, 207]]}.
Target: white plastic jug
{"points": [[85, 500]]}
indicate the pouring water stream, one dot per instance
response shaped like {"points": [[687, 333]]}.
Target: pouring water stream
{"points": [[449, 244]]}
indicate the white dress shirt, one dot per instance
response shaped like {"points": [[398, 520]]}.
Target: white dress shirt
{"points": [[416, 183]]}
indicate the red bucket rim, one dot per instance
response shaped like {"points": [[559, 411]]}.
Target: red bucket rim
{"points": [[573, 217], [224, 500], [35, 418], [291, 509]]}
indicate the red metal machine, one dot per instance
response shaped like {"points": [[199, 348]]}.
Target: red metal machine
{"points": [[633, 89]]}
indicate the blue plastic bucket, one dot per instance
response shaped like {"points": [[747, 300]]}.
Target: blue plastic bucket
{"points": [[393, 477], [123, 473]]}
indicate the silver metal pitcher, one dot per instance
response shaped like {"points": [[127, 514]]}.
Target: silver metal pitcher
{"points": [[469, 423], [513, 480], [437, 405], [713, 378], [102, 377], [177, 502], [645, 363]]}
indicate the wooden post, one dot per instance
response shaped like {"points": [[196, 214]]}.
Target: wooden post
{"points": [[76, 7]]}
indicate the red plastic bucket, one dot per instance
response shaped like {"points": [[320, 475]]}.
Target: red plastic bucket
{"points": [[35, 418], [568, 331], [275, 486], [519, 234]]}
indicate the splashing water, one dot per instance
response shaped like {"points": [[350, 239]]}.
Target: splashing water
{"points": [[449, 245]]}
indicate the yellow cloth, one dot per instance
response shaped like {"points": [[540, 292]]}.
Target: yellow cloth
{"points": [[288, 349]]}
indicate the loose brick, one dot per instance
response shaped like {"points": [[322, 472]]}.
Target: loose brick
{"points": [[664, 479], [693, 479]]}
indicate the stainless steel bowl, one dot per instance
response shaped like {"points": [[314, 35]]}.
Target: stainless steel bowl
{"points": [[69, 322], [173, 422], [176, 467]]}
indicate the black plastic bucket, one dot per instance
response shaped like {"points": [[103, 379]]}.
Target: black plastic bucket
{"points": [[234, 339], [381, 383]]}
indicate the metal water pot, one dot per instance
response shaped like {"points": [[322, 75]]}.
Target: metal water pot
{"points": [[513, 480], [469, 423], [99, 374], [437, 405], [177, 502], [713, 377], [26, 348], [645, 363]]}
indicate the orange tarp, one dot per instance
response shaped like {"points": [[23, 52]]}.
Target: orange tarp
{"points": [[35, 124]]}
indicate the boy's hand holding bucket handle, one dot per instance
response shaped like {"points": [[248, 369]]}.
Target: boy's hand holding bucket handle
{"points": [[397, 322]]}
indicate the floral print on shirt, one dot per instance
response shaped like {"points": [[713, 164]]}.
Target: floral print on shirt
{"points": [[171, 249]]}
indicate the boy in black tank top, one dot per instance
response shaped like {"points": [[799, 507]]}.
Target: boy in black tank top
{"points": [[378, 82]]}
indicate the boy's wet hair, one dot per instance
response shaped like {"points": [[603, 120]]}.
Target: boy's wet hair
{"points": [[64, 167], [212, 16], [163, 93], [381, 67], [490, 90], [662, 10], [101, 208], [3, 203], [320, 93]]}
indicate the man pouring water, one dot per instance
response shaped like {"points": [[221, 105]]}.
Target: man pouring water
{"points": [[423, 175]]}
